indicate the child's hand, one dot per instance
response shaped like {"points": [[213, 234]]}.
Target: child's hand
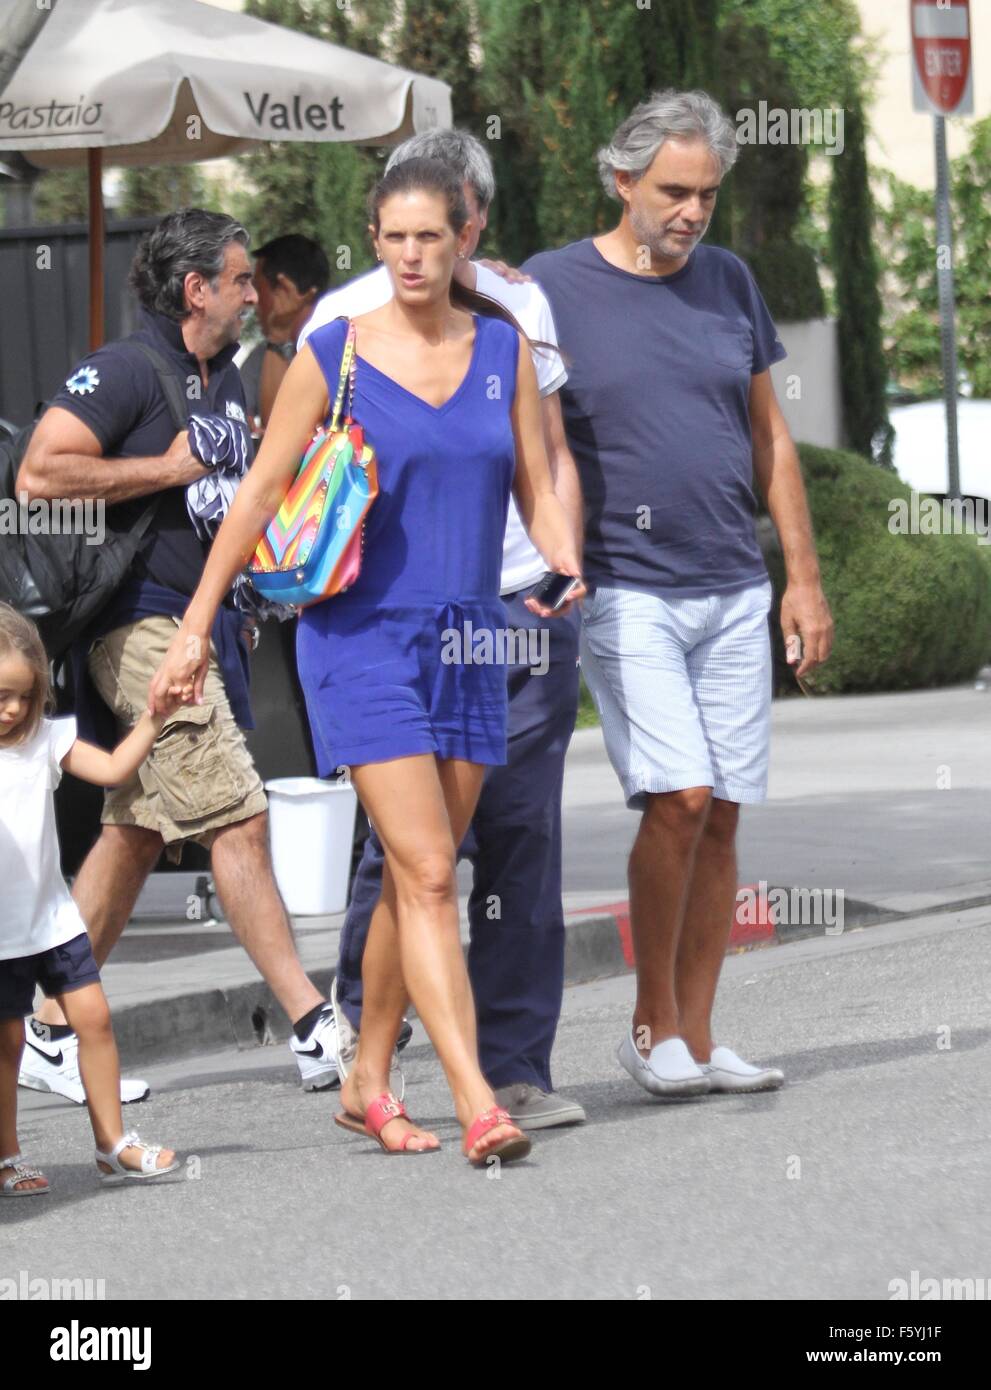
{"points": [[175, 697], [184, 669]]}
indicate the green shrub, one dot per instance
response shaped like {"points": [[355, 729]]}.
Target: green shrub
{"points": [[788, 279], [910, 610]]}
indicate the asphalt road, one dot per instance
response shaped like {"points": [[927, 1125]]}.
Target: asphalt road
{"points": [[872, 1162]]}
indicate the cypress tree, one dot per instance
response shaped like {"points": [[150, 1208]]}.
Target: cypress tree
{"points": [[160, 188], [562, 76], [436, 39], [509, 85], [766, 189], [863, 372], [574, 121]]}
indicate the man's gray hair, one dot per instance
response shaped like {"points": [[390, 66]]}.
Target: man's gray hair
{"points": [[664, 116], [191, 239], [467, 156]]}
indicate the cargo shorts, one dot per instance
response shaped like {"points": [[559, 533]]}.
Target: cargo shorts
{"points": [[200, 775]]}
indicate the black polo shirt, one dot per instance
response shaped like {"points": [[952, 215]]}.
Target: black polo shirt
{"points": [[116, 392]]}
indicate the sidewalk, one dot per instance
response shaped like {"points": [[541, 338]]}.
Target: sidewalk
{"points": [[855, 811], [178, 989]]}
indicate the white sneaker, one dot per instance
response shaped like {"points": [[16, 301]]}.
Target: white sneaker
{"points": [[53, 1065], [670, 1070], [728, 1072], [316, 1056]]}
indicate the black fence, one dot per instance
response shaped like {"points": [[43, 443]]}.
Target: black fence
{"points": [[44, 305]]}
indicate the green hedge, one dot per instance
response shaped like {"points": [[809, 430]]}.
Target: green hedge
{"points": [[911, 611]]}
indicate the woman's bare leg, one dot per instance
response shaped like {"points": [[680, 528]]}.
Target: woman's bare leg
{"points": [[384, 1003], [421, 808]]}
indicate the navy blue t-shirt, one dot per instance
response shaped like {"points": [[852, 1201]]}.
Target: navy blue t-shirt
{"points": [[657, 416], [116, 392]]}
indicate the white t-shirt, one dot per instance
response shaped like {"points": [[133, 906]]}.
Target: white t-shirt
{"points": [[36, 911], [521, 563]]}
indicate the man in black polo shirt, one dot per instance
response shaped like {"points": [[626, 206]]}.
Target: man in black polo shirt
{"points": [[109, 434]]}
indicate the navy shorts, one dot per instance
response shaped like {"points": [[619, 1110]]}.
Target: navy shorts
{"points": [[58, 970]]}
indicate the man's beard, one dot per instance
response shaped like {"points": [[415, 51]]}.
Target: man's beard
{"points": [[232, 330], [657, 239]]}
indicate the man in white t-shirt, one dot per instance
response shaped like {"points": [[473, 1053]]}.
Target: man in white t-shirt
{"points": [[516, 956]]}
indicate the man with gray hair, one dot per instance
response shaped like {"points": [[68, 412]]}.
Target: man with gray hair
{"points": [[110, 434], [516, 918], [670, 413]]}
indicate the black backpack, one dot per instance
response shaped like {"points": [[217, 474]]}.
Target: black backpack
{"points": [[61, 581]]}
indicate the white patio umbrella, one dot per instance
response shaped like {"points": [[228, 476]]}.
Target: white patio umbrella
{"points": [[177, 81]]}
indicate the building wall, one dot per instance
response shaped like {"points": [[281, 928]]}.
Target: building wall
{"points": [[812, 369], [902, 139]]}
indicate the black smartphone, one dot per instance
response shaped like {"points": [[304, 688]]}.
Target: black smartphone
{"points": [[553, 590]]}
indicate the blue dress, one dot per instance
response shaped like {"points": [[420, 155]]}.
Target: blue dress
{"points": [[401, 664]]}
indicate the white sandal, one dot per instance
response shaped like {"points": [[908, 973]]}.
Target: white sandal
{"points": [[149, 1160], [22, 1173]]}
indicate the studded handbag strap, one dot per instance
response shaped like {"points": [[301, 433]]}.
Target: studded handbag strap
{"points": [[346, 378]]}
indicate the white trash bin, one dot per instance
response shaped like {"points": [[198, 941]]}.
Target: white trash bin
{"points": [[312, 829]]}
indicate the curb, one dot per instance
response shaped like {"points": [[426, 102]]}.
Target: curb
{"points": [[598, 945], [209, 1020]]}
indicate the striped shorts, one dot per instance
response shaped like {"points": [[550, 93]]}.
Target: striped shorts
{"points": [[683, 689]]}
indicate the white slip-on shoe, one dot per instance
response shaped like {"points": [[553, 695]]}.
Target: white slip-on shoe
{"points": [[670, 1070], [731, 1074], [53, 1065]]}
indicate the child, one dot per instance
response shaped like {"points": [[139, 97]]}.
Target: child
{"points": [[42, 936]]}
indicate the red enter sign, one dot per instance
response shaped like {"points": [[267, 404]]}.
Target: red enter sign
{"points": [[941, 41]]}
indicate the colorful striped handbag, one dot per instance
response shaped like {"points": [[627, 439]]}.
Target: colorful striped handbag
{"points": [[312, 548]]}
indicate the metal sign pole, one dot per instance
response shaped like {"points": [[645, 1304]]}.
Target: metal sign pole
{"points": [[947, 331]]}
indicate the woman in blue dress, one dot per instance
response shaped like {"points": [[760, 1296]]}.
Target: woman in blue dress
{"points": [[402, 672]]}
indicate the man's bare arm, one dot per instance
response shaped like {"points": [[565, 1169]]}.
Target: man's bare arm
{"points": [[564, 471], [804, 610], [65, 459], [779, 477]]}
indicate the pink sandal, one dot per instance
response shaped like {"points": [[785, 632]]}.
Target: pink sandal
{"points": [[508, 1150], [382, 1109]]}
